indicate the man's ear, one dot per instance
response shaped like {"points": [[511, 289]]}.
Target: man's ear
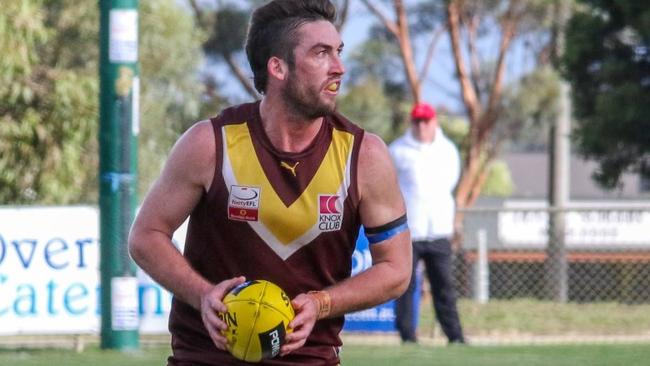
{"points": [[277, 68]]}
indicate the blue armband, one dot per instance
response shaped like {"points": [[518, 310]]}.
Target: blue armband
{"points": [[386, 231]]}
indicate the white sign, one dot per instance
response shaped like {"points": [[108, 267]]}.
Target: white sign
{"points": [[124, 303], [49, 276], [135, 107], [123, 35], [599, 228]]}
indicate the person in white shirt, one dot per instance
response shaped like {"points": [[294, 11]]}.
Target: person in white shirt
{"points": [[428, 168]]}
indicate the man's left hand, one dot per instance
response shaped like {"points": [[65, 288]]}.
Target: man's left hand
{"points": [[306, 308]]}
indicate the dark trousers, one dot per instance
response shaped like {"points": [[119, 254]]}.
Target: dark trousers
{"points": [[436, 256]]}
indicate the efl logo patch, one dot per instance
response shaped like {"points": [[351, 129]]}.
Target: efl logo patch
{"points": [[244, 203], [330, 213]]}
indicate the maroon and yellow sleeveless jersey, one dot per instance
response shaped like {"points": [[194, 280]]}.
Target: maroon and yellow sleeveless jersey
{"points": [[290, 218]]}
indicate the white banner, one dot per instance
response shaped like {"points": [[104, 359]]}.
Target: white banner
{"points": [[49, 274], [607, 226]]}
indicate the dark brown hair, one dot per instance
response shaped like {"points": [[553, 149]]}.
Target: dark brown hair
{"points": [[272, 32]]}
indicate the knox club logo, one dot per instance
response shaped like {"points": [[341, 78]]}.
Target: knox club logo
{"points": [[244, 203], [330, 212]]}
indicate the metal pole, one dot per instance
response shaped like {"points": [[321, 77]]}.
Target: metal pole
{"points": [[558, 267], [482, 269], [119, 127], [559, 176]]}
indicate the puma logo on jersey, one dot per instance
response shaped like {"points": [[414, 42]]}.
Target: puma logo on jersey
{"points": [[290, 168]]}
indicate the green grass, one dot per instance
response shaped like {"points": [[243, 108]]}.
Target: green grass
{"points": [[90, 356], [512, 318], [544, 318], [416, 355], [357, 355]]}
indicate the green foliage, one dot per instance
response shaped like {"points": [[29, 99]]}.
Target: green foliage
{"points": [[529, 108], [21, 30], [229, 33], [49, 89], [607, 62], [366, 105], [170, 52], [375, 72], [48, 102], [456, 128], [499, 181], [376, 58]]}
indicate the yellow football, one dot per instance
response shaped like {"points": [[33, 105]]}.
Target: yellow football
{"points": [[258, 317]]}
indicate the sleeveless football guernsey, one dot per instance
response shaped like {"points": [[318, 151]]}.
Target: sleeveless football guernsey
{"points": [[290, 218]]}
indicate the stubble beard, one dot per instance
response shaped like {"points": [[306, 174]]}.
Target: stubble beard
{"points": [[306, 102]]}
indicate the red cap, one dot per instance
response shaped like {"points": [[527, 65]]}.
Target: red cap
{"points": [[423, 111]]}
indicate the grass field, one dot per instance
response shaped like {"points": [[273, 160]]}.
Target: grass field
{"points": [[357, 355], [509, 324], [535, 317]]}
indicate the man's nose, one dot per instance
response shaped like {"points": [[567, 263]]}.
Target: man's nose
{"points": [[337, 66]]}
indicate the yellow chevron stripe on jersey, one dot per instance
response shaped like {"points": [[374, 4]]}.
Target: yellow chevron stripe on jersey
{"points": [[286, 229]]}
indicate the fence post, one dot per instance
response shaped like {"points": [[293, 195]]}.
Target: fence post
{"points": [[481, 269]]}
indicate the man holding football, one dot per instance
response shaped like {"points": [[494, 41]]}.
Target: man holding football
{"points": [[276, 190]]}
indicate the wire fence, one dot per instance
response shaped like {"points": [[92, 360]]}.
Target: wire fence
{"points": [[578, 254], [529, 274]]}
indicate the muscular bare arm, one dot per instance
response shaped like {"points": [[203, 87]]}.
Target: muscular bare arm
{"points": [[187, 174], [380, 202]]}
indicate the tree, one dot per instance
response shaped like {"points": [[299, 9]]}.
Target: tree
{"points": [[375, 66], [529, 107], [48, 102], [226, 24], [172, 95], [480, 70], [482, 99], [400, 29], [607, 62], [498, 182], [365, 103], [49, 95], [227, 32]]}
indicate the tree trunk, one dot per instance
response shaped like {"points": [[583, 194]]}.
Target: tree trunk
{"points": [[481, 119], [400, 29], [406, 51]]}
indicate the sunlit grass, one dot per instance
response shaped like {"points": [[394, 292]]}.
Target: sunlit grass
{"points": [[360, 355], [545, 317]]}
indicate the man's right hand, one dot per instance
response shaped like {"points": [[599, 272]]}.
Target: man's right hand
{"points": [[211, 304]]}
